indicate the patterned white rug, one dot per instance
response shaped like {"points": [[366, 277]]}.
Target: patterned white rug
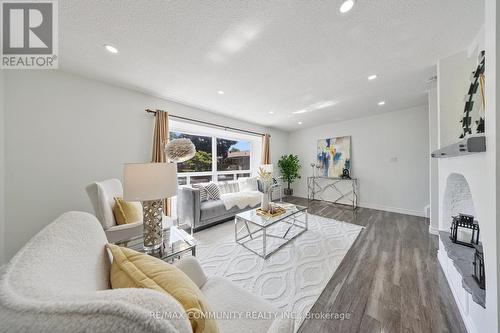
{"points": [[293, 278]]}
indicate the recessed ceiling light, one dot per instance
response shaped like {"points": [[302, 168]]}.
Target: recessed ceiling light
{"points": [[346, 6], [271, 112], [372, 77], [220, 92], [111, 49], [381, 103], [300, 123]]}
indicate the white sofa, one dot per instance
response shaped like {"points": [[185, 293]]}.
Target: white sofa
{"points": [[59, 282], [102, 196]]}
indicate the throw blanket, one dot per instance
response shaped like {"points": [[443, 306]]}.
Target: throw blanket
{"points": [[241, 199]]}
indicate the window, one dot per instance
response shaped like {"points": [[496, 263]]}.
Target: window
{"points": [[216, 158], [225, 177], [202, 161], [233, 155]]}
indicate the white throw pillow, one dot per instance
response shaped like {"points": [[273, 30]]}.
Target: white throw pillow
{"points": [[248, 184], [228, 187]]}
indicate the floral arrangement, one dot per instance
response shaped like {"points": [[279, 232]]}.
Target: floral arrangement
{"points": [[266, 179]]}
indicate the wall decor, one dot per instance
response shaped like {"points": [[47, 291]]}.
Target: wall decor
{"points": [[473, 116], [333, 156]]}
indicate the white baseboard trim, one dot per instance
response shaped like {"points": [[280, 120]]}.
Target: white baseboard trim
{"points": [[421, 213], [393, 209], [433, 231]]}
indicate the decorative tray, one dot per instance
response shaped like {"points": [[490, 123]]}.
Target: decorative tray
{"points": [[278, 211]]}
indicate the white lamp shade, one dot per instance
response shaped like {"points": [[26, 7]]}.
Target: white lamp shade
{"points": [[267, 168], [149, 181]]}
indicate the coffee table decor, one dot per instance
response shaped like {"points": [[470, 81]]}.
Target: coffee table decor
{"points": [[265, 235], [271, 213]]}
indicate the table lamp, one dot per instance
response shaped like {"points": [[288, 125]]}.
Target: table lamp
{"points": [[150, 183]]}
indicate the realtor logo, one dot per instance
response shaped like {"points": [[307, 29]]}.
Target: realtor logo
{"points": [[29, 34]]}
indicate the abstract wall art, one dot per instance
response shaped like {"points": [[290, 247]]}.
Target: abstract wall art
{"points": [[333, 156]]}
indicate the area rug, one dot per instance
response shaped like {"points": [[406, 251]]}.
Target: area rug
{"points": [[291, 279]]}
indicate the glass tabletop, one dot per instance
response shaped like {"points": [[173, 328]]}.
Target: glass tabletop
{"points": [[263, 221], [175, 242]]}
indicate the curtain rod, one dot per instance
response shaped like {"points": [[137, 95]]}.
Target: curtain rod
{"points": [[227, 128]]}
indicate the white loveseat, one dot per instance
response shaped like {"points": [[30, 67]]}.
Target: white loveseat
{"points": [[59, 282]]}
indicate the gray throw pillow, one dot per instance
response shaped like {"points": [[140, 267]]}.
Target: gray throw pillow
{"points": [[203, 191]]}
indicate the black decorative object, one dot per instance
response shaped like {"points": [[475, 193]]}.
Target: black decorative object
{"points": [[467, 222], [478, 264], [473, 122], [345, 174]]}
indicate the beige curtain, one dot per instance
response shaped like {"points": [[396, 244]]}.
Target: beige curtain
{"points": [[266, 154], [160, 139]]}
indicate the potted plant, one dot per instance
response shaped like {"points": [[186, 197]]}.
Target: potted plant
{"points": [[289, 167]]}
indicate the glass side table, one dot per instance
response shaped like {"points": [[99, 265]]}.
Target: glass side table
{"points": [[176, 243]]}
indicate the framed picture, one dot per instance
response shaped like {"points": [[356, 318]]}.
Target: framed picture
{"points": [[333, 156]]}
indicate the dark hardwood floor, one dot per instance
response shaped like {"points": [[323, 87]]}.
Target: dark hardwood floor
{"points": [[389, 281]]}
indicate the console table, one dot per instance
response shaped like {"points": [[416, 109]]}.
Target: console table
{"points": [[343, 191]]}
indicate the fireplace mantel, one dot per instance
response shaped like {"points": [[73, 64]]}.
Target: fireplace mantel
{"points": [[467, 146]]}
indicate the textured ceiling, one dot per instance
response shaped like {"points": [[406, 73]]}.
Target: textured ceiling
{"points": [[279, 56]]}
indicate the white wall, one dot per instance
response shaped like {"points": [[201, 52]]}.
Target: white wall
{"points": [[433, 163], [389, 154], [453, 75], [65, 131], [2, 168]]}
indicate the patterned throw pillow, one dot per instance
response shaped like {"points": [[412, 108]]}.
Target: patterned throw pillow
{"points": [[228, 187], [203, 192], [213, 191]]}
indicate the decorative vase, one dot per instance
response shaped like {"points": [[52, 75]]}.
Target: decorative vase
{"points": [[288, 191], [266, 200]]}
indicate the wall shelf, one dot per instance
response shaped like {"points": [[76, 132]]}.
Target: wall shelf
{"points": [[467, 146]]}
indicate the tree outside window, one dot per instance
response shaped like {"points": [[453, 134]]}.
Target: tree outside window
{"points": [[202, 160]]}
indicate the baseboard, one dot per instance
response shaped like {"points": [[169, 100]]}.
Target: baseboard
{"points": [[393, 209], [385, 208], [433, 231]]}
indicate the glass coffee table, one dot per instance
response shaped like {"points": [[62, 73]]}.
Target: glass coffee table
{"points": [[266, 235], [176, 243]]}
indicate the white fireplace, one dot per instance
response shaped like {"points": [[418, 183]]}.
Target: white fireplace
{"points": [[462, 182], [457, 199]]}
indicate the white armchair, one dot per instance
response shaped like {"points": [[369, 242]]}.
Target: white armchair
{"points": [[102, 196], [59, 282]]}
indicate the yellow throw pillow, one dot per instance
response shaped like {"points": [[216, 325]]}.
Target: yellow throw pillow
{"points": [[131, 269], [127, 211]]}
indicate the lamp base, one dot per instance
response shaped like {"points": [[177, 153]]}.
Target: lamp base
{"points": [[152, 221]]}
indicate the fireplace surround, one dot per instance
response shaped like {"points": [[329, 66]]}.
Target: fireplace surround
{"points": [[460, 188]]}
